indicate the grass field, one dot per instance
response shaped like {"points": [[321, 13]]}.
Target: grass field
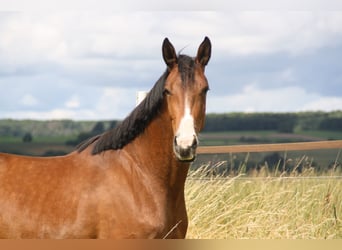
{"points": [[267, 136], [298, 206], [38, 147], [56, 142], [305, 207]]}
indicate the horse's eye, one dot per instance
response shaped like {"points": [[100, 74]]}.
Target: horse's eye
{"points": [[167, 92], [204, 91]]}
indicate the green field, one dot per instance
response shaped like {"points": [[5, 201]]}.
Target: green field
{"points": [[267, 136], [296, 207], [38, 147], [56, 145], [40, 144]]}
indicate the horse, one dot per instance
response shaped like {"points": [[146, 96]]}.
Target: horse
{"points": [[125, 183]]}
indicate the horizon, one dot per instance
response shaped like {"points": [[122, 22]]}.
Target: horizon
{"points": [[229, 113]]}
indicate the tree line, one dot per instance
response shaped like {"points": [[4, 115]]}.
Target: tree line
{"points": [[281, 122], [98, 128]]}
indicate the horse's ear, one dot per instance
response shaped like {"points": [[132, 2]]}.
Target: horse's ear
{"points": [[204, 52], [169, 54]]}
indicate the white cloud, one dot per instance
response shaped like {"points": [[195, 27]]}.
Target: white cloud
{"points": [[47, 115], [271, 31], [287, 75], [324, 104], [29, 100], [54, 37], [286, 99], [111, 103], [73, 102], [123, 50], [27, 39], [156, 5], [115, 102]]}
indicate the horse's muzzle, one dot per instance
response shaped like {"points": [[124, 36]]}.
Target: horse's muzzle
{"points": [[185, 152]]}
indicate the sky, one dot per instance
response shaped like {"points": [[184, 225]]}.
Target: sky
{"points": [[89, 65]]}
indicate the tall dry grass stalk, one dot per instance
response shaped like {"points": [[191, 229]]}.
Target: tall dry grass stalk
{"points": [[263, 208]]}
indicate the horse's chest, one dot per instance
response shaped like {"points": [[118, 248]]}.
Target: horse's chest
{"points": [[139, 218]]}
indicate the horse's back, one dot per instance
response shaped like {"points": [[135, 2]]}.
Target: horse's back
{"points": [[40, 198]]}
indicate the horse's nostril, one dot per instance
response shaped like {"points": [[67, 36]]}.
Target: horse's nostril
{"points": [[194, 142]]}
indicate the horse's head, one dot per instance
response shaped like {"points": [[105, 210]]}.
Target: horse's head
{"points": [[185, 91]]}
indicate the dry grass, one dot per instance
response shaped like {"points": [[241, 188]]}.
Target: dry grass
{"points": [[263, 207]]}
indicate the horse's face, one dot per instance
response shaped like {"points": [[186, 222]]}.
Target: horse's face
{"points": [[185, 92]]}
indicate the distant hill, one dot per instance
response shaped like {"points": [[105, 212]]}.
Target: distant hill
{"points": [[58, 137], [281, 122], [53, 128]]}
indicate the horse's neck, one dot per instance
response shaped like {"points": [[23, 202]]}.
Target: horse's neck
{"points": [[155, 150]]}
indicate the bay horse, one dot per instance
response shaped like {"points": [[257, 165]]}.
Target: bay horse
{"points": [[125, 183]]}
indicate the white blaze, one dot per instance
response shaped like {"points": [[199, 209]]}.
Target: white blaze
{"points": [[186, 132]]}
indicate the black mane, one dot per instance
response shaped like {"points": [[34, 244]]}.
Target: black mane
{"points": [[141, 116]]}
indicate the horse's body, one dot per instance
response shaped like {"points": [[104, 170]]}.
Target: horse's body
{"points": [[119, 193], [125, 183]]}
